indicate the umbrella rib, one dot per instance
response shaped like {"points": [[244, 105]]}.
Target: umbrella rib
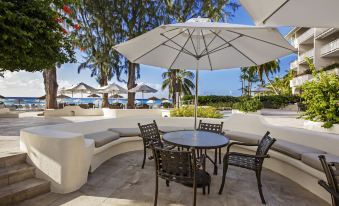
{"points": [[170, 30], [168, 39], [182, 47], [208, 54], [208, 44], [216, 50], [177, 49], [187, 52], [218, 47], [196, 53], [275, 11], [236, 49], [261, 40]]}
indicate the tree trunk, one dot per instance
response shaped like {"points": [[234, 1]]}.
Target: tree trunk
{"points": [[175, 88], [131, 84], [51, 88], [268, 79], [242, 87], [105, 103]]}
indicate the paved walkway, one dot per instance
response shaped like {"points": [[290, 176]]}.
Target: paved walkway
{"points": [[121, 182]]}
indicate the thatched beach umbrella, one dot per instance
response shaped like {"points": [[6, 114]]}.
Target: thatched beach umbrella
{"points": [[80, 88], [143, 88]]}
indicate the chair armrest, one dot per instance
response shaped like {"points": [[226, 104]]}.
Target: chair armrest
{"points": [[330, 190], [240, 143]]}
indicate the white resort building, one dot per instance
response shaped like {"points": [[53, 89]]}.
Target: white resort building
{"points": [[319, 44]]}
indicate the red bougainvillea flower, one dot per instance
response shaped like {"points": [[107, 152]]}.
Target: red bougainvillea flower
{"points": [[64, 30], [76, 26], [67, 10], [59, 20]]}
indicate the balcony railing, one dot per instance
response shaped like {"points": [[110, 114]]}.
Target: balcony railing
{"points": [[309, 54], [300, 80], [306, 36], [330, 47], [294, 65]]}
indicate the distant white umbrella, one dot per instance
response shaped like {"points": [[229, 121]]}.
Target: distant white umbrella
{"points": [[143, 88], [204, 45], [165, 101], [80, 88], [150, 101], [299, 13], [261, 89], [113, 88]]}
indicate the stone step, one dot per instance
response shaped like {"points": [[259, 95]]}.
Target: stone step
{"points": [[23, 190], [10, 160], [16, 173]]}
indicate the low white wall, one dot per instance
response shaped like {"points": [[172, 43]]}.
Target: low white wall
{"points": [[60, 151], [118, 113], [4, 110], [72, 111]]}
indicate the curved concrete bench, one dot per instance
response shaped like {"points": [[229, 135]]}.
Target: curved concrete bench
{"points": [[56, 150]]}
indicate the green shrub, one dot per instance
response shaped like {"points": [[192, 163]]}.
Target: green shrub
{"points": [[278, 101], [248, 105], [166, 105], [188, 111], [213, 100], [321, 97]]}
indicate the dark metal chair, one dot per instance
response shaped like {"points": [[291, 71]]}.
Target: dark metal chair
{"points": [[180, 167], [247, 161], [215, 128], [330, 169], [150, 134]]}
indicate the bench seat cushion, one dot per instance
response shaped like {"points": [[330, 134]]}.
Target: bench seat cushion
{"points": [[312, 160], [293, 150], [242, 137], [127, 132], [102, 138], [173, 129]]}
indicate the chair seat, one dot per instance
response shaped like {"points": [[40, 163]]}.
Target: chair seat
{"points": [[242, 161], [203, 178]]}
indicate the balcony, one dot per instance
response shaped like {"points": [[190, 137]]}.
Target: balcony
{"points": [[300, 80], [306, 37], [309, 54], [331, 49], [325, 32], [294, 65]]}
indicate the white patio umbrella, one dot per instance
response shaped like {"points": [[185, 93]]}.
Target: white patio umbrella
{"points": [[113, 89], [299, 13], [80, 88], [143, 88], [203, 45]]}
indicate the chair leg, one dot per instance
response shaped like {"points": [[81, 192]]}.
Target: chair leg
{"points": [[143, 161], [208, 188], [194, 193], [224, 171], [204, 190], [156, 191], [258, 174], [167, 183], [219, 155]]}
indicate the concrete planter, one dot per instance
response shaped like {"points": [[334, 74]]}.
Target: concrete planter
{"points": [[236, 111], [316, 126]]}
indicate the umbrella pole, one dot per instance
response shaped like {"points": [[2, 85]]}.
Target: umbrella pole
{"points": [[196, 96]]}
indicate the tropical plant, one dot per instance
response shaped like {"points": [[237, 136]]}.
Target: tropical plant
{"points": [[178, 81], [321, 97], [203, 111], [96, 38], [282, 84], [248, 76], [33, 38], [266, 69], [248, 105]]}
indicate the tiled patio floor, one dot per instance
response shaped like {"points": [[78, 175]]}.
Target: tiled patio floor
{"points": [[121, 182]]}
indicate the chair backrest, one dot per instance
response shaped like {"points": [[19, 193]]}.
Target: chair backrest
{"points": [[209, 127], [331, 178], [174, 165], [265, 144], [150, 132]]}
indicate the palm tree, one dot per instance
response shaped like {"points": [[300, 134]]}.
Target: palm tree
{"points": [[178, 81], [271, 67], [248, 75]]}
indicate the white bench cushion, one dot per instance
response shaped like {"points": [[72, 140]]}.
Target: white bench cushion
{"points": [[102, 138], [127, 132], [242, 137], [312, 159]]}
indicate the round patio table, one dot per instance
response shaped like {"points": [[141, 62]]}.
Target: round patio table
{"points": [[198, 140]]}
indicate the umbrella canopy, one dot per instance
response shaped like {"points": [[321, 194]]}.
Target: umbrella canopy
{"points": [[143, 88], [2, 97], [62, 96], [300, 13], [261, 89], [42, 97], [80, 88], [94, 95], [204, 45], [113, 88], [153, 98], [165, 101], [116, 96]]}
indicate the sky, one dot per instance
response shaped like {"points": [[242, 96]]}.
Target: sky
{"points": [[221, 82]]}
